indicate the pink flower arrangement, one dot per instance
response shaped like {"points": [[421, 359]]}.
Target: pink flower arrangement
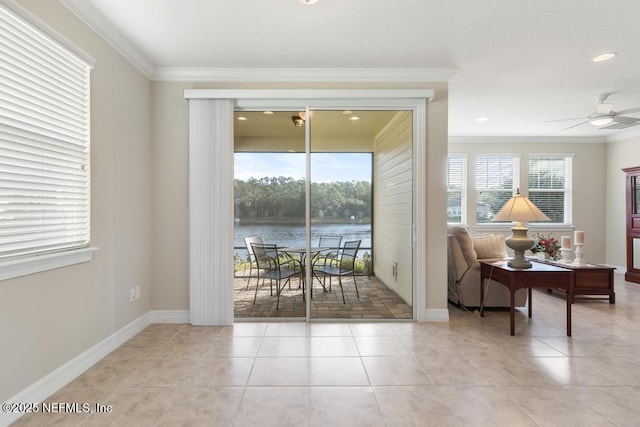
{"points": [[546, 244]]}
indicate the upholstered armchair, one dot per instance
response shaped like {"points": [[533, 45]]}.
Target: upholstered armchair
{"points": [[464, 254]]}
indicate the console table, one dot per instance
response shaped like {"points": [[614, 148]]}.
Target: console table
{"points": [[589, 279], [540, 275]]}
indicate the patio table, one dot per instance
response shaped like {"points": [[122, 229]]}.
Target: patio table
{"points": [[301, 252]]}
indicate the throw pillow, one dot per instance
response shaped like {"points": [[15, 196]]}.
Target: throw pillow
{"points": [[490, 247]]}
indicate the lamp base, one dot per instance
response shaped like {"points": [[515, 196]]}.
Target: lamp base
{"points": [[519, 241]]}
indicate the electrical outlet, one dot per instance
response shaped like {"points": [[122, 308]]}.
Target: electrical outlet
{"points": [[132, 295], [137, 292]]}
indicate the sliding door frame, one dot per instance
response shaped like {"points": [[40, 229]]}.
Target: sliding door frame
{"points": [[211, 146]]}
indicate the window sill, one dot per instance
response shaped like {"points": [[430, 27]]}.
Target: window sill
{"points": [[533, 228], [39, 263]]}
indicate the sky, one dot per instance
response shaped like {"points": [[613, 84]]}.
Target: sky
{"points": [[325, 167]]}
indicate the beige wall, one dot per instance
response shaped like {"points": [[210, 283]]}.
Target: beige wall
{"points": [[620, 154], [436, 209], [48, 318], [393, 205], [170, 171], [589, 177]]}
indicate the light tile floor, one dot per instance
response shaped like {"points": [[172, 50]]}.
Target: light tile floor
{"points": [[468, 372]]}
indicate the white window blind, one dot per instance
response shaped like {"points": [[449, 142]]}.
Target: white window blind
{"points": [[550, 183], [497, 177], [456, 188], [44, 142]]}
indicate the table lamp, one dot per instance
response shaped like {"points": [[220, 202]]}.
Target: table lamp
{"points": [[519, 209]]}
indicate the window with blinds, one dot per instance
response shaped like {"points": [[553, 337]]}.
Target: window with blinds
{"points": [[44, 142], [550, 185], [456, 188], [497, 177]]}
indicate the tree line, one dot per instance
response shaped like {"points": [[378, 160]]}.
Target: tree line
{"points": [[284, 197]]}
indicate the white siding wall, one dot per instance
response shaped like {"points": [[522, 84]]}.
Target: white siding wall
{"points": [[392, 205]]}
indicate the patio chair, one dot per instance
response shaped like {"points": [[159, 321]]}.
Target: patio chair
{"points": [[252, 259], [329, 248], [276, 266], [343, 265]]}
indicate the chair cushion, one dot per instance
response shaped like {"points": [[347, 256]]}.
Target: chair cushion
{"points": [[490, 247], [466, 244]]}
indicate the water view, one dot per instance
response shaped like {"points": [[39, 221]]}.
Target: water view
{"points": [[294, 235]]}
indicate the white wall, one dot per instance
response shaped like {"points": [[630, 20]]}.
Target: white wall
{"points": [[393, 205], [589, 178], [48, 318], [620, 154]]}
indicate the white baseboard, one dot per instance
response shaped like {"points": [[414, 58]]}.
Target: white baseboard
{"points": [[436, 315], [169, 316], [54, 381]]}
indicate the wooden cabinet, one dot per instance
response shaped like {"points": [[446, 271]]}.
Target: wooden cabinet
{"points": [[633, 224]]}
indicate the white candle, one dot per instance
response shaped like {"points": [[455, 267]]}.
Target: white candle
{"points": [[566, 242], [578, 237]]}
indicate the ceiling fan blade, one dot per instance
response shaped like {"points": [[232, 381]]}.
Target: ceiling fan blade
{"points": [[563, 120], [579, 124], [629, 111], [622, 122]]}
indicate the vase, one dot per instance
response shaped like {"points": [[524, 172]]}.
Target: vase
{"points": [[541, 255]]}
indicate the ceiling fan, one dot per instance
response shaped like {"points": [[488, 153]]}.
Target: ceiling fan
{"points": [[604, 117]]}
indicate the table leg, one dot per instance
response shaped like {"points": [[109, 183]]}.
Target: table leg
{"points": [[481, 296], [569, 298], [568, 318], [530, 303], [512, 311]]}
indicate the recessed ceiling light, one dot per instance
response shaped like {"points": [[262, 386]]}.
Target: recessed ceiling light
{"points": [[604, 57], [242, 118], [354, 118], [482, 119], [267, 112], [308, 2], [347, 112]]}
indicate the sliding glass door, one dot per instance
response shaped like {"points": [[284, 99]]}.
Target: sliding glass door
{"points": [[269, 215], [332, 190], [361, 179]]}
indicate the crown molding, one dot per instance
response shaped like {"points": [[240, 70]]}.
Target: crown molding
{"points": [[271, 75], [107, 31], [92, 18], [526, 139]]}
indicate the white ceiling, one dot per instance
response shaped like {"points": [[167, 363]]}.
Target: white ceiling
{"points": [[519, 63]]}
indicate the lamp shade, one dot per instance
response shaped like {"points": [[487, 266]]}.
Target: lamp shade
{"points": [[519, 208]]}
